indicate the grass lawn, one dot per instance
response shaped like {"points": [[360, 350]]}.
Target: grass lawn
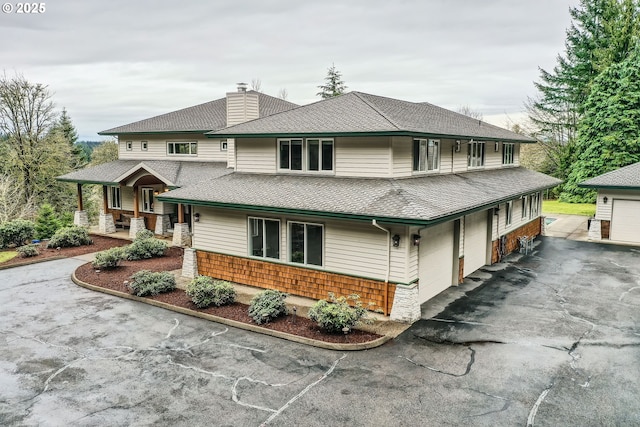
{"points": [[7, 255], [557, 207]]}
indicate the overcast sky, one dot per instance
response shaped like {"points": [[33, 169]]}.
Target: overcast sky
{"points": [[114, 62]]}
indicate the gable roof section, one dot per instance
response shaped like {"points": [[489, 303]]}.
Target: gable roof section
{"points": [[173, 173], [419, 200], [361, 113], [199, 118], [625, 178]]}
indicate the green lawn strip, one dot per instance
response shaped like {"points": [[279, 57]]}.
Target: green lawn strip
{"points": [[557, 207], [7, 255]]}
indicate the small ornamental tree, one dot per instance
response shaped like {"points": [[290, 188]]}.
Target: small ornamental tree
{"points": [[47, 222]]}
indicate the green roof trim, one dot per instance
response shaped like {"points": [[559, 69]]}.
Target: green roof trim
{"points": [[610, 187], [158, 132], [85, 181]]}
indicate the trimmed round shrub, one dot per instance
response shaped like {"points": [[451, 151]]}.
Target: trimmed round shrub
{"points": [[145, 249], [204, 291], [68, 237], [144, 234], [109, 258], [146, 282], [16, 232], [28, 251], [267, 306], [337, 314]]}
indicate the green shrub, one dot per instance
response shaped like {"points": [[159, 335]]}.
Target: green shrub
{"points": [[16, 232], [109, 258], [144, 234], [337, 314], [65, 219], [145, 249], [68, 237], [267, 305], [145, 282], [28, 251], [204, 291], [47, 222]]}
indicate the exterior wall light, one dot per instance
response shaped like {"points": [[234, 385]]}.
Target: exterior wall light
{"points": [[605, 199], [396, 240], [415, 238], [196, 217]]}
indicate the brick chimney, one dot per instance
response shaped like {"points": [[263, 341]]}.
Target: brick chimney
{"points": [[242, 106]]}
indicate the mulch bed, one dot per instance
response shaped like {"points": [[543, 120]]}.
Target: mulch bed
{"points": [[301, 326], [99, 243]]}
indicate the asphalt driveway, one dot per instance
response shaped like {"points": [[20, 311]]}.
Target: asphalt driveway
{"points": [[552, 339]]}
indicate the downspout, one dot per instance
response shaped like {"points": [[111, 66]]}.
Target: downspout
{"points": [[386, 280]]}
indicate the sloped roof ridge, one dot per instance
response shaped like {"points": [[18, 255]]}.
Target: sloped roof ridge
{"points": [[375, 108]]}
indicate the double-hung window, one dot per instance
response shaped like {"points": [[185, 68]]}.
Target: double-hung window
{"points": [[182, 148], [310, 155], [264, 238], [306, 243], [147, 200], [475, 156], [507, 153], [509, 214], [524, 206], [426, 154], [115, 197], [534, 204]]}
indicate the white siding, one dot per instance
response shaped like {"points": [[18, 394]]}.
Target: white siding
{"points": [[363, 156], [603, 210], [516, 155], [208, 149], [446, 155], [500, 228], [459, 163], [220, 230], [231, 153], [402, 155], [242, 107], [127, 198], [493, 158], [257, 155]]}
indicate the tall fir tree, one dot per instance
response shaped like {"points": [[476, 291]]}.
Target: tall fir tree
{"points": [[334, 85]]}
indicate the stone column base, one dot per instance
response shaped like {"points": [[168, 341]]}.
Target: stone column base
{"points": [[405, 304], [81, 218], [163, 222], [181, 235], [106, 225], [137, 224], [190, 263], [595, 230]]}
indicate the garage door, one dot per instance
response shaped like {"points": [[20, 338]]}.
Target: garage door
{"points": [[436, 260], [475, 241], [625, 221]]}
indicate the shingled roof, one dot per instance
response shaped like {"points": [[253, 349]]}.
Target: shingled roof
{"points": [[358, 112], [626, 178], [417, 200], [199, 118], [174, 173]]}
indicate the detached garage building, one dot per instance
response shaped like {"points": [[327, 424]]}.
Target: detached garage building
{"points": [[617, 205]]}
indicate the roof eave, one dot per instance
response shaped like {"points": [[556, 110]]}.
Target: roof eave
{"points": [[610, 187], [154, 132], [86, 181]]}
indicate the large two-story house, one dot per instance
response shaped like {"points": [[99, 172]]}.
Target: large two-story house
{"points": [[393, 200]]}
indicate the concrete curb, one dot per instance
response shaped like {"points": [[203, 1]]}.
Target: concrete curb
{"points": [[240, 325]]}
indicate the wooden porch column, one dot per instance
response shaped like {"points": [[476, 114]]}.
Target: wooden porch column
{"points": [[105, 204], [136, 202], [80, 205], [180, 213]]}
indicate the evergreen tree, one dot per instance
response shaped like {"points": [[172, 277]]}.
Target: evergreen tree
{"points": [[609, 133], [67, 128], [104, 153], [47, 222], [333, 86]]}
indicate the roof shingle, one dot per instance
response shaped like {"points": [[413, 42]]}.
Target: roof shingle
{"points": [[625, 177]]}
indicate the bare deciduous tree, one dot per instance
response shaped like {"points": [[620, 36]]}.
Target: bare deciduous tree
{"points": [[12, 201], [467, 111], [256, 84], [283, 94]]}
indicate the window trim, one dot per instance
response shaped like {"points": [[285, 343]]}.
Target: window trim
{"points": [[112, 197], [508, 218], [428, 166], [306, 252], [305, 167], [129, 145], [472, 152], [250, 235], [144, 145], [144, 190], [191, 144], [508, 150], [525, 205]]}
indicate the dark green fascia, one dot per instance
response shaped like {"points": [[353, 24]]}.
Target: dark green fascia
{"points": [[86, 181], [610, 187], [158, 132], [380, 133]]}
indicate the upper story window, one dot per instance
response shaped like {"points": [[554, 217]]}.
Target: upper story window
{"points": [[306, 243], [182, 148], [129, 145], [475, 155], [507, 153], [312, 154], [144, 145], [115, 198], [264, 238], [426, 154]]}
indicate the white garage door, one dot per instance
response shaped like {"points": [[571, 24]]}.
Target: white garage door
{"points": [[436, 260], [625, 221], [475, 241]]}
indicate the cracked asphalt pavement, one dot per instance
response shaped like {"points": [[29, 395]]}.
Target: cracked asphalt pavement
{"points": [[549, 339]]}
